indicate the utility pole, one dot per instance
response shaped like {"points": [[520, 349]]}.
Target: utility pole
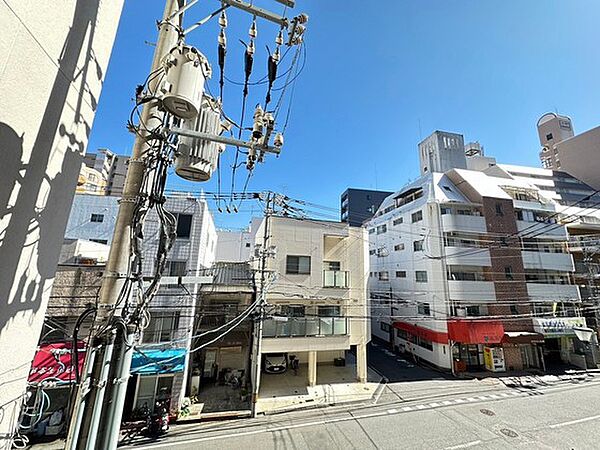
{"points": [[100, 396], [258, 328]]}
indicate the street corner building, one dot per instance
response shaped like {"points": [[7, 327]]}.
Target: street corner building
{"points": [[473, 267], [52, 77]]}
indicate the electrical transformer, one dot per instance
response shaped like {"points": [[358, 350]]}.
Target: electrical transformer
{"points": [[196, 159], [186, 70]]}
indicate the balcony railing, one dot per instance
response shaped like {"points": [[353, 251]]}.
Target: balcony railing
{"points": [[336, 278], [305, 326]]}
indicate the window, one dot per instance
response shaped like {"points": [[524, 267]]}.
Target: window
{"points": [[402, 334], [549, 137], [418, 246], [297, 265], [176, 268], [499, 212], [99, 218], [417, 216], [509, 273], [372, 252], [383, 276], [399, 247], [371, 230], [513, 310], [473, 311], [400, 274], [292, 311], [247, 244], [425, 343], [424, 309], [384, 326], [448, 188], [329, 311], [421, 276], [100, 241], [332, 265], [161, 328], [398, 221], [381, 229], [184, 225], [445, 210]]}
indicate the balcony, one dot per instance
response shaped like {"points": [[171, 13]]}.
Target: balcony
{"points": [[554, 292], [457, 222], [468, 256], [544, 229], [548, 261], [478, 291], [285, 327], [336, 278]]}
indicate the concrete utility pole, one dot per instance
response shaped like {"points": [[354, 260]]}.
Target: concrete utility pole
{"points": [[258, 328], [101, 394]]}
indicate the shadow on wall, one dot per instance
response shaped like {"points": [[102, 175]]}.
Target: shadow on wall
{"points": [[33, 223]]}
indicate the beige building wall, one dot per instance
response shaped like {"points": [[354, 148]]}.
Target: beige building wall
{"points": [[322, 241], [580, 157], [53, 59]]}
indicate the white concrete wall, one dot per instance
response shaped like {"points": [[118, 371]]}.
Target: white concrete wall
{"points": [[80, 225], [322, 241], [53, 59]]}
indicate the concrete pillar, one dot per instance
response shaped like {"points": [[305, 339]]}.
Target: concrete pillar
{"points": [[312, 368], [361, 363]]}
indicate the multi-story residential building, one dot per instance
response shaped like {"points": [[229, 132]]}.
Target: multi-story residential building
{"points": [[168, 335], [565, 151], [220, 370], [316, 292], [358, 205], [470, 269], [111, 167], [90, 181]]}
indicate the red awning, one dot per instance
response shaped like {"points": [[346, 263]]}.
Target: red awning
{"points": [[475, 331], [54, 361], [431, 335]]}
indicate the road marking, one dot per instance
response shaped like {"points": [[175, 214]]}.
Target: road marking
{"points": [[483, 397], [392, 411], [421, 407], [434, 405], [465, 445], [407, 408], [471, 399], [446, 402], [459, 400], [504, 394], [573, 422], [494, 396]]}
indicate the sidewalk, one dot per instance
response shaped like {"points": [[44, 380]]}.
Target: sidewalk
{"points": [[287, 392]]}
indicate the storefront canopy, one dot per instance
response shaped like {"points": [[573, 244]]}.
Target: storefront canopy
{"points": [[475, 331], [54, 362], [431, 335], [156, 361]]}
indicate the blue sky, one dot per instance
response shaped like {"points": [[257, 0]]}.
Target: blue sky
{"points": [[378, 77]]}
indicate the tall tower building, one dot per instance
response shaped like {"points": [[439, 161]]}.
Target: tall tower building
{"points": [[442, 151], [552, 129]]}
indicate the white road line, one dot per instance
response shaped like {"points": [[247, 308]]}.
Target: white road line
{"points": [[459, 400], [446, 402], [392, 411], [483, 397], [471, 399], [465, 445], [504, 394], [434, 405], [421, 407], [494, 396], [407, 408], [573, 422]]}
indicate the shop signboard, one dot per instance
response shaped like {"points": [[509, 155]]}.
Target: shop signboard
{"points": [[558, 326]]}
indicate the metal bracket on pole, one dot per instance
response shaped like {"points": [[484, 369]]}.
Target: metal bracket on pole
{"points": [[259, 12], [222, 140]]}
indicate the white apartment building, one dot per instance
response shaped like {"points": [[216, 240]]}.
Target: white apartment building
{"points": [[168, 335], [469, 270], [563, 150], [317, 293]]}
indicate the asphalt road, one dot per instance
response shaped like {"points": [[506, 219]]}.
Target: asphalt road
{"points": [[422, 410]]}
